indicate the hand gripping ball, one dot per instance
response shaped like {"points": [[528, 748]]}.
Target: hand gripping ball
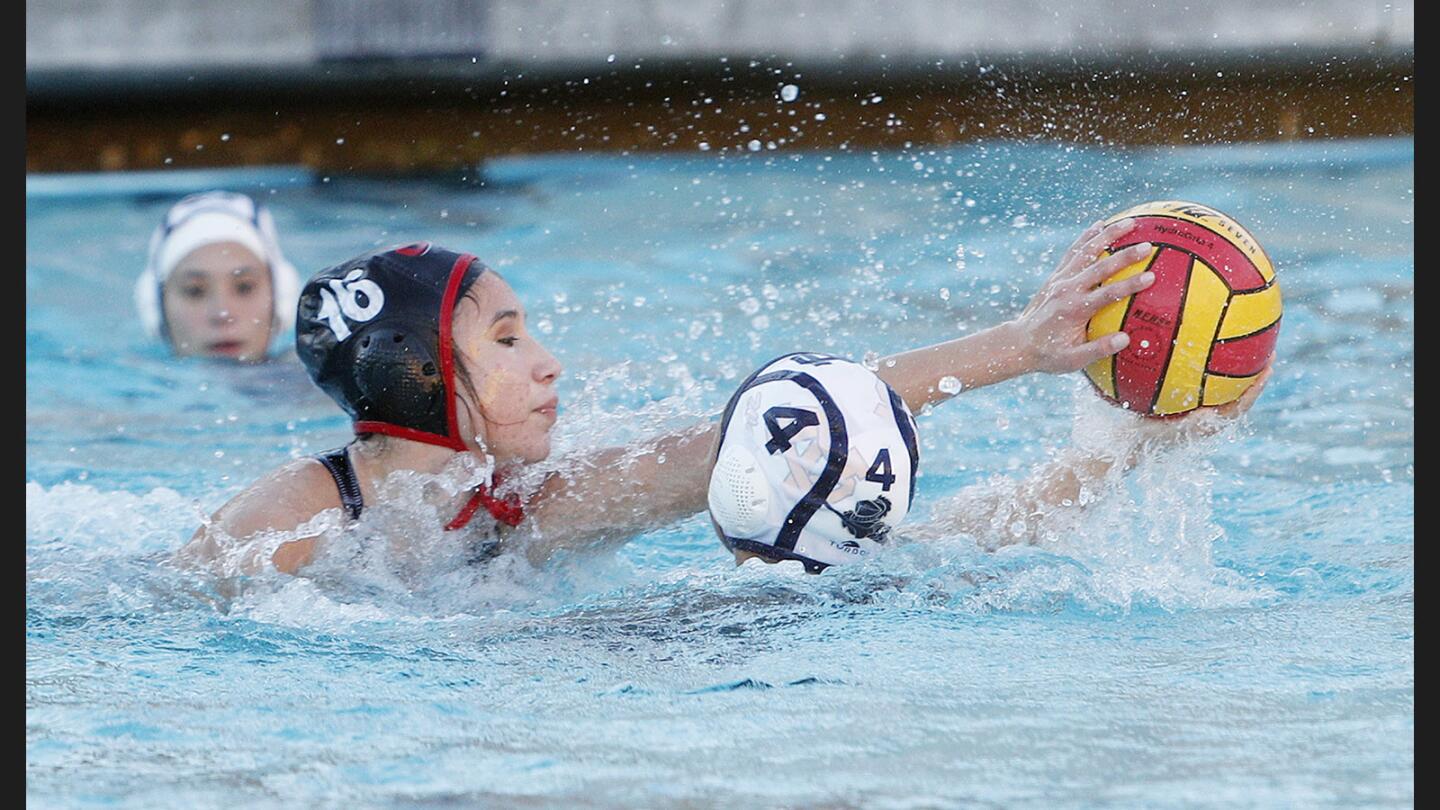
{"points": [[1203, 331]]}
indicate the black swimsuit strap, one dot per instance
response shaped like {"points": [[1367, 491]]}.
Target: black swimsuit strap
{"points": [[337, 461]]}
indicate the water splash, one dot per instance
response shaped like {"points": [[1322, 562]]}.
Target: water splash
{"points": [[1137, 538]]}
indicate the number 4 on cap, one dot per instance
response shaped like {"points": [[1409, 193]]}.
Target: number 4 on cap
{"points": [[780, 437], [880, 472]]}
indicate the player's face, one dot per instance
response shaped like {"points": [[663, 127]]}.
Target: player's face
{"points": [[218, 303], [514, 405]]}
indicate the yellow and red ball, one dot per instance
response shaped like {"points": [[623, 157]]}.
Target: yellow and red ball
{"points": [[1205, 329]]}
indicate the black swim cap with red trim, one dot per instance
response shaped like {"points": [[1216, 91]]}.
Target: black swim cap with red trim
{"points": [[375, 334]]}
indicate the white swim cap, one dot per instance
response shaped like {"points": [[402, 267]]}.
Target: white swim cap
{"points": [[205, 219], [816, 462]]}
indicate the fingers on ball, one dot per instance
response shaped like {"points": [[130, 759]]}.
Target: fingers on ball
{"points": [[1113, 232], [1100, 348], [1120, 289], [1114, 263], [1085, 238], [1087, 249]]}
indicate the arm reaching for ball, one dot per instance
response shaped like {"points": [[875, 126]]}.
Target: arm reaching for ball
{"points": [[1048, 335], [610, 495]]}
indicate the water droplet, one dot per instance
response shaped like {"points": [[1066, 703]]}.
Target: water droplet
{"points": [[789, 93], [753, 146], [871, 360], [950, 385]]}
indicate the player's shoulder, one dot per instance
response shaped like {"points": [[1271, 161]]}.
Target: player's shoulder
{"points": [[281, 500]]}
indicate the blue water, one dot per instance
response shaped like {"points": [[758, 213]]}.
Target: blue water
{"points": [[1232, 625]]}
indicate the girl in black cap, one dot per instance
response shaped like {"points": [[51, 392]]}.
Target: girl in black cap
{"points": [[428, 352]]}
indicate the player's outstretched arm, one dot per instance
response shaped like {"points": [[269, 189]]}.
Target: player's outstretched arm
{"points": [[1049, 335], [618, 492]]}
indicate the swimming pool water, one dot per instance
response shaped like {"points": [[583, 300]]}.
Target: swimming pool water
{"points": [[1230, 627]]}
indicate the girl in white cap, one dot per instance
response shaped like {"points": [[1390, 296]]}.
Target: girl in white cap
{"points": [[430, 354], [216, 284]]}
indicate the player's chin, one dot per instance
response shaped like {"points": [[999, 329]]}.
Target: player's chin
{"points": [[538, 448]]}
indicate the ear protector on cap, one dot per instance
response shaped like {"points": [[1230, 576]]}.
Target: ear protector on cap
{"points": [[739, 495]]}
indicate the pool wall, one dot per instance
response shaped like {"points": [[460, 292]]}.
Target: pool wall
{"points": [[359, 86]]}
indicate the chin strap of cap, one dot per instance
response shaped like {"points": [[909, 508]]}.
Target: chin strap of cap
{"points": [[509, 511]]}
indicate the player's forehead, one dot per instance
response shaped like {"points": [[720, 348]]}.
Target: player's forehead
{"points": [[489, 302]]}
